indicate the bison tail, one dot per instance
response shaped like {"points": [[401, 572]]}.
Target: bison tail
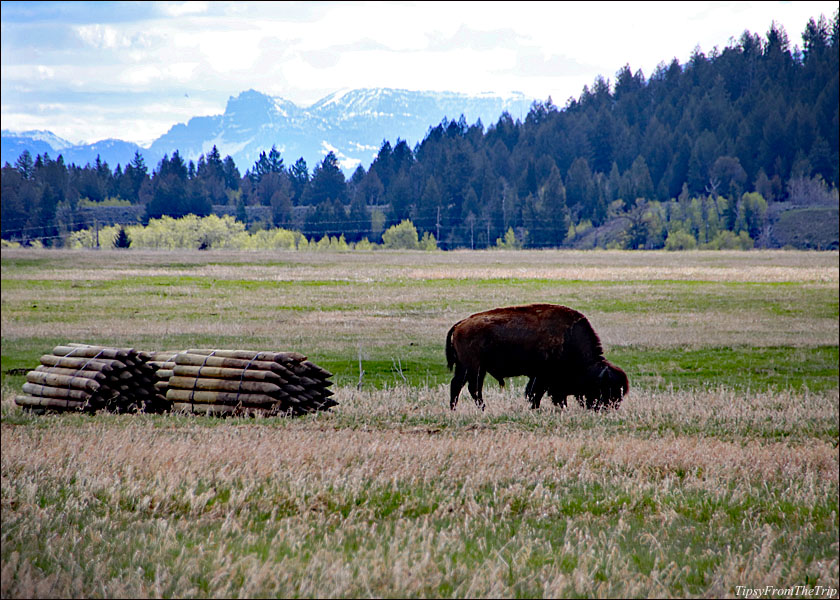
{"points": [[451, 357]]}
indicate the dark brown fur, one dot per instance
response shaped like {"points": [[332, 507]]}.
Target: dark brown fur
{"points": [[555, 346]]}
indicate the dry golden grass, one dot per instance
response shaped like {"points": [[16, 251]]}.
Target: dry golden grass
{"points": [[361, 503], [367, 441]]}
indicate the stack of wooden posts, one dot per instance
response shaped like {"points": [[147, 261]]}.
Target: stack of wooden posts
{"points": [[216, 382], [161, 362], [237, 382], [79, 377]]}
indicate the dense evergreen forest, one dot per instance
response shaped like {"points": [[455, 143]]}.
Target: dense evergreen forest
{"points": [[737, 147]]}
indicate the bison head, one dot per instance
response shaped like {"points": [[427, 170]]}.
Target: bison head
{"points": [[604, 385]]}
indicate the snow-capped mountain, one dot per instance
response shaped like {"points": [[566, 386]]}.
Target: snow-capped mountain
{"points": [[351, 123], [40, 142], [48, 137], [37, 142]]}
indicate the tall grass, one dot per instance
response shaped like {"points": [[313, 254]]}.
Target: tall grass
{"points": [[653, 499]]}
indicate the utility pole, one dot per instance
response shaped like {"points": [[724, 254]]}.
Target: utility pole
{"points": [[96, 226]]}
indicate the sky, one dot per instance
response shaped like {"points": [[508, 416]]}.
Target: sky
{"points": [[89, 71]]}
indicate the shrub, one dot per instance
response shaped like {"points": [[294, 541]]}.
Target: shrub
{"points": [[727, 240], [510, 241], [365, 244], [680, 240], [428, 242], [401, 237]]}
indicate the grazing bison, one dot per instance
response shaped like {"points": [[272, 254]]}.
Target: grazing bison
{"points": [[553, 345]]}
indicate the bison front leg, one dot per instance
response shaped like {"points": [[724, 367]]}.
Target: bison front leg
{"points": [[529, 386], [558, 399], [475, 385], [459, 378]]}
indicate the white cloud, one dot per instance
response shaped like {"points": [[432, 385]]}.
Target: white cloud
{"points": [[140, 76], [303, 51], [180, 9], [45, 72], [103, 36]]}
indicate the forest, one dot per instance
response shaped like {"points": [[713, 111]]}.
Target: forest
{"points": [[738, 147]]}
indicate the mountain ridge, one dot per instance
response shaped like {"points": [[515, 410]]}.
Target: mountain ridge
{"points": [[351, 122]]}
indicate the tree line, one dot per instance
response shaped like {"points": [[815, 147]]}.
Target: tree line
{"points": [[701, 147]]}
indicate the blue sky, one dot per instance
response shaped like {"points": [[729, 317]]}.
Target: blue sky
{"points": [[130, 70]]}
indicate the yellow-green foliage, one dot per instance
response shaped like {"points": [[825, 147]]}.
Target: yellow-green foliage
{"points": [[752, 213], [428, 242], [576, 230], [167, 233], [680, 240], [214, 232], [509, 242], [329, 243], [268, 239], [365, 244], [727, 240], [402, 236], [88, 203]]}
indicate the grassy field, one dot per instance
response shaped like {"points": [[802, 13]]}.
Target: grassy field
{"points": [[719, 470]]}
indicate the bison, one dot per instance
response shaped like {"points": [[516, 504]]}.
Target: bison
{"points": [[555, 346]]}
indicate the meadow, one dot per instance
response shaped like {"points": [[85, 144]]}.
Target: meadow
{"points": [[719, 470]]}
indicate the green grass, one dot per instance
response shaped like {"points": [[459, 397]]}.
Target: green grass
{"points": [[742, 368], [755, 368]]}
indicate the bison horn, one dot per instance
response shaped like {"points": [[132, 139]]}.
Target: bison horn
{"points": [[603, 371]]}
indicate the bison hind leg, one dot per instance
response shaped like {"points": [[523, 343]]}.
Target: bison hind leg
{"points": [[475, 385], [459, 378]]}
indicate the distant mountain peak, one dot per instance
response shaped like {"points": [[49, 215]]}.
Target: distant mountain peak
{"points": [[54, 141], [351, 122]]}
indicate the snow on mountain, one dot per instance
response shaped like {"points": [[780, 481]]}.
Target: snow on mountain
{"points": [[36, 141], [57, 143], [352, 123], [114, 152]]}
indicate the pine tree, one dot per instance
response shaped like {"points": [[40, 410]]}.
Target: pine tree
{"points": [[328, 182], [546, 213], [241, 212], [580, 188], [25, 165], [122, 239], [299, 176]]}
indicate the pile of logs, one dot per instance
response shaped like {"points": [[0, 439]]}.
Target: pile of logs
{"points": [[212, 382], [223, 382], [79, 377], [162, 364]]}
